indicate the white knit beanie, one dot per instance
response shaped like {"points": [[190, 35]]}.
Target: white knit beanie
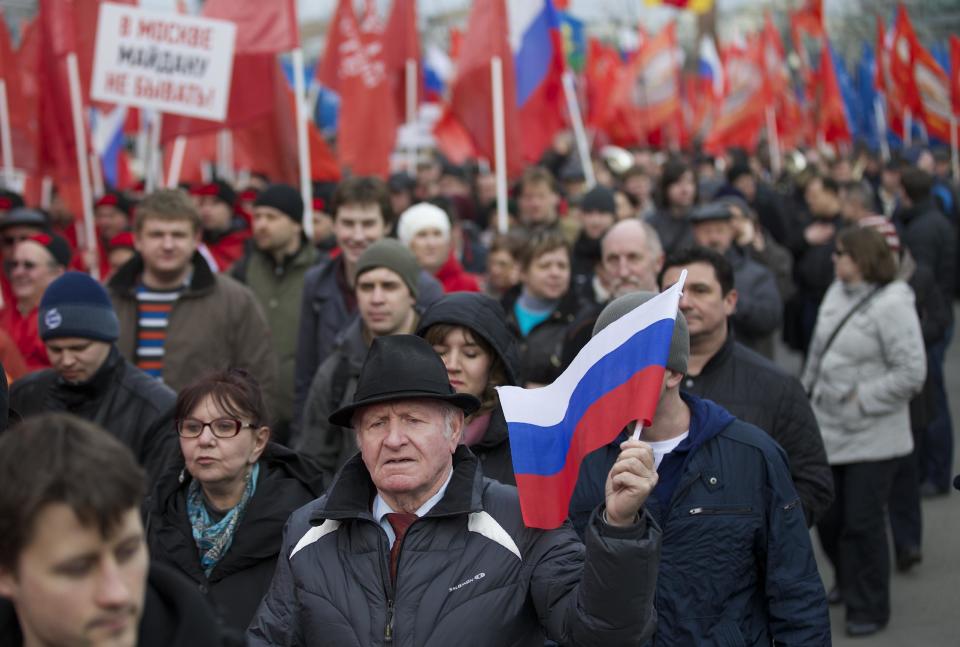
{"points": [[421, 216]]}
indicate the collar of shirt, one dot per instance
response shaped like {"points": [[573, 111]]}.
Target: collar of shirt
{"points": [[381, 508]]}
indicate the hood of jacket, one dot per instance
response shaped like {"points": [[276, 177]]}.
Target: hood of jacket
{"points": [[124, 282], [482, 315]]}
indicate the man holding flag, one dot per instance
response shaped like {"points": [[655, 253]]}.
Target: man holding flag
{"points": [[737, 565], [411, 545]]}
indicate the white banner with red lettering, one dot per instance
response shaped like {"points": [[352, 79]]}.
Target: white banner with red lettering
{"points": [[162, 60]]}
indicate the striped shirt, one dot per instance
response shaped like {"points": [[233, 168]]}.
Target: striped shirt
{"points": [[153, 315]]}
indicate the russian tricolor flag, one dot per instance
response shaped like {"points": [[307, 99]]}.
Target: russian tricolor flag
{"points": [[615, 379], [538, 62], [709, 67]]}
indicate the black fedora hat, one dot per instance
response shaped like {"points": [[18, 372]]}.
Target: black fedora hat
{"points": [[402, 367]]}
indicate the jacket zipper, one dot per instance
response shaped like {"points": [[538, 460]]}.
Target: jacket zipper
{"points": [[388, 630], [720, 511]]}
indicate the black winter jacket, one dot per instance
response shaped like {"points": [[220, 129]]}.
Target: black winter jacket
{"points": [[240, 579], [541, 351], [932, 241], [737, 566], [469, 574], [121, 398], [757, 391]]}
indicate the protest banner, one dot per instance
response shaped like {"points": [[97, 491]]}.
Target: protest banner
{"points": [[165, 61]]}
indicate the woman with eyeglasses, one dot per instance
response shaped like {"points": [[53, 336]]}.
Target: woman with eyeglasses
{"points": [[218, 513], [867, 361]]}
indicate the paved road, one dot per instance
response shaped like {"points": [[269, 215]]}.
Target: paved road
{"points": [[925, 602]]}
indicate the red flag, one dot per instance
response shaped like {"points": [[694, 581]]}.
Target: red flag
{"points": [[647, 95], [901, 53], [601, 73], [883, 80], [831, 119], [775, 72], [741, 114], [955, 68], [262, 27], [353, 64], [933, 90], [400, 44], [471, 101]]}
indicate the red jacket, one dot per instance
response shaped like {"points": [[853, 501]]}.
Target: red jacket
{"points": [[25, 332], [456, 279], [229, 248]]}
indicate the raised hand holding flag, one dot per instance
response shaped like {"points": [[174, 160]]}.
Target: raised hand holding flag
{"points": [[616, 379]]}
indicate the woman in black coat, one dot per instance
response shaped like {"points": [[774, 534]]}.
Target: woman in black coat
{"points": [[470, 333], [218, 514]]}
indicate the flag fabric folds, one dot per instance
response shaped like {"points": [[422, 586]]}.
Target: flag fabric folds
{"points": [[615, 379]]}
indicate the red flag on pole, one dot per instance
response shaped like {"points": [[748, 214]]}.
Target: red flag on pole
{"points": [[469, 116], [741, 114], [353, 64], [647, 95], [262, 27], [401, 43], [955, 78]]}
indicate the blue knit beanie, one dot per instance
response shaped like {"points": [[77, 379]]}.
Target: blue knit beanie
{"points": [[75, 305]]}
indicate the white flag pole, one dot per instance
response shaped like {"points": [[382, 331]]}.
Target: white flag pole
{"points": [[881, 128], [154, 171], [80, 138], [576, 118], [954, 155], [411, 107], [96, 174], [303, 149], [499, 143], [6, 141], [773, 141], [176, 161], [225, 155]]}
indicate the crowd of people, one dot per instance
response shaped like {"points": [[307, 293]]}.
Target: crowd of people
{"points": [[306, 437]]}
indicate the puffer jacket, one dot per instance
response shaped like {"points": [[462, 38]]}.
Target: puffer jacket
{"points": [[485, 318], [469, 574], [737, 566], [241, 578], [131, 405], [759, 392], [324, 315], [861, 388]]}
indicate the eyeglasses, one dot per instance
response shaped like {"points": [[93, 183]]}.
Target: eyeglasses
{"points": [[27, 265], [221, 427], [13, 240]]}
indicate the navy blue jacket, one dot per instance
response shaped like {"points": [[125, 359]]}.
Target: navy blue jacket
{"points": [[736, 564]]}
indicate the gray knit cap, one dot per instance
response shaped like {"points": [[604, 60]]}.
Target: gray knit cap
{"points": [[679, 345], [396, 257]]}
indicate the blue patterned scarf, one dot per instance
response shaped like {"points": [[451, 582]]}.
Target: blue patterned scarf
{"points": [[214, 539]]}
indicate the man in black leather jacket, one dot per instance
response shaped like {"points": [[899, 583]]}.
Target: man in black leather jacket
{"points": [[91, 379]]}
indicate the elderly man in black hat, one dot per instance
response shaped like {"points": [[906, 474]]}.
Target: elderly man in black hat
{"points": [[413, 546]]}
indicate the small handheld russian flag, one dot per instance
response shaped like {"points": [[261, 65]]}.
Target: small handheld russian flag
{"points": [[614, 380]]}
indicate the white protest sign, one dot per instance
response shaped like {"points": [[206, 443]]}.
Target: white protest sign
{"points": [[162, 60]]}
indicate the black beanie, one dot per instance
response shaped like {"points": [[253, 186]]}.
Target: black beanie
{"points": [[284, 198], [76, 305], [599, 198]]}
